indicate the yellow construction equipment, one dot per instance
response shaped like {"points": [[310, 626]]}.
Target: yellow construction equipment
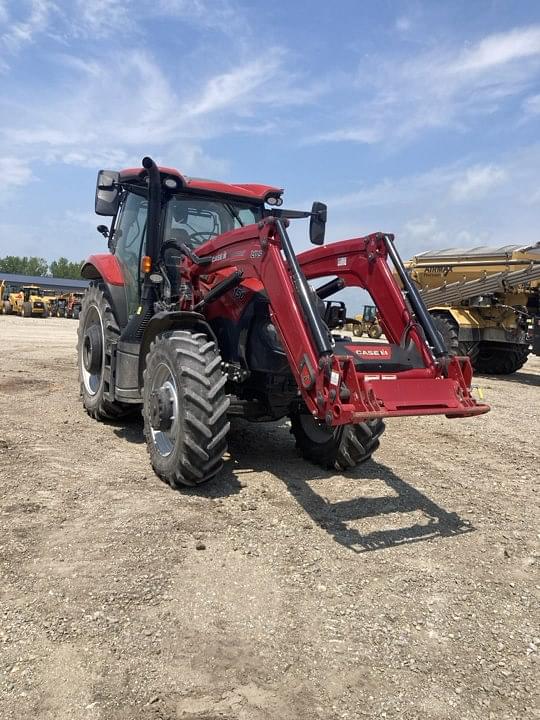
{"points": [[367, 323], [28, 301], [51, 297], [485, 302]]}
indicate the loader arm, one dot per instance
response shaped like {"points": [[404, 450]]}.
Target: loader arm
{"points": [[343, 382]]}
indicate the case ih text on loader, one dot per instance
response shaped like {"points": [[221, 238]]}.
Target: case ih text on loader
{"points": [[202, 310]]}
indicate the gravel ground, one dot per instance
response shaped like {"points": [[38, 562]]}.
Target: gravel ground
{"points": [[406, 589]]}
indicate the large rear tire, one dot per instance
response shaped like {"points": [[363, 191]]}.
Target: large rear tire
{"points": [[340, 448], [185, 408], [7, 308], [501, 358], [449, 331], [97, 330], [375, 331]]}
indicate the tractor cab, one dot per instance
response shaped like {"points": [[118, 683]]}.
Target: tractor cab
{"points": [[30, 291], [369, 314]]}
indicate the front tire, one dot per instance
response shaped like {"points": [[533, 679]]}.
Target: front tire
{"points": [[27, 309], [97, 330], [342, 447], [375, 331], [185, 408], [7, 308]]}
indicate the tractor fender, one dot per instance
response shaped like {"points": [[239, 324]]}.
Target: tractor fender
{"points": [[105, 267], [165, 321]]}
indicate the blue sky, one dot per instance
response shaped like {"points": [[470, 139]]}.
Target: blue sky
{"points": [[418, 118]]}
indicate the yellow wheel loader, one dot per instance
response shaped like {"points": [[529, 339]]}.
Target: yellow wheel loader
{"points": [[28, 301], [367, 323]]}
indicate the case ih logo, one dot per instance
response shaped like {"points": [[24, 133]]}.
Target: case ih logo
{"points": [[371, 352]]}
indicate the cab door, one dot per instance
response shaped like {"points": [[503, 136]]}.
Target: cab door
{"points": [[130, 237]]}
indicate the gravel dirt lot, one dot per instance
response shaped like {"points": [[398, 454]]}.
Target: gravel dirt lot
{"points": [[407, 589]]}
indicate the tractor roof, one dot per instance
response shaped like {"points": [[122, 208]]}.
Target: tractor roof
{"points": [[248, 191]]}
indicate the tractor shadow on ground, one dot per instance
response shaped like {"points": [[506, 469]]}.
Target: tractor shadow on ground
{"points": [[131, 430], [522, 378], [275, 453]]}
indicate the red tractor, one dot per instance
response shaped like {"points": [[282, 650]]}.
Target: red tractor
{"points": [[202, 310]]}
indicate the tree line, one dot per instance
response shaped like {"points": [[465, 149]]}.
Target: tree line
{"points": [[62, 268]]}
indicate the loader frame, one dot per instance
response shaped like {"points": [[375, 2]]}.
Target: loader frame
{"points": [[332, 388]]}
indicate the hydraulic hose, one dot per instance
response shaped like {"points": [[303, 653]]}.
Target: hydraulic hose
{"points": [[415, 299], [311, 315]]}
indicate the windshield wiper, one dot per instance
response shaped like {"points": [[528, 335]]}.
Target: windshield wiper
{"points": [[234, 213]]}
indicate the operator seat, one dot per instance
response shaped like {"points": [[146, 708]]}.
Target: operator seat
{"points": [[172, 257]]}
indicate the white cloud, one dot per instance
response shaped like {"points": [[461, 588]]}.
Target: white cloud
{"points": [[531, 105], [499, 49], [236, 85], [365, 135], [90, 121], [4, 15], [403, 24], [102, 18], [24, 31], [477, 182], [398, 98], [14, 173], [450, 206]]}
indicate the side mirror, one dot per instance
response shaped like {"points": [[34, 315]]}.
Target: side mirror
{"points": [[103, 230], [317, 223], [107, 195]]}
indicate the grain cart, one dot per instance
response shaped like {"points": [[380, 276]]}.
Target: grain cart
{"points": [[202, 310], [482, 301], [28, 301]]}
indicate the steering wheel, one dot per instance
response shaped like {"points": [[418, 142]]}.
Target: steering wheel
{"points": [[203, 235]]}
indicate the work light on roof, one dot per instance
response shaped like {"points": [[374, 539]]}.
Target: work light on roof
{"points": [[274, 200]]}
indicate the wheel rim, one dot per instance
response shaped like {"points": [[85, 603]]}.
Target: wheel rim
{"points": [[91, 380], [317, 431], [163, 380]]}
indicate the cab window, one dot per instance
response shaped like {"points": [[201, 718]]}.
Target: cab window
{"points": [[194, 221], [130, 235]]}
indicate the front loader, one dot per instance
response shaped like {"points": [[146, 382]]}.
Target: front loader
{"points": [[202, 310]]}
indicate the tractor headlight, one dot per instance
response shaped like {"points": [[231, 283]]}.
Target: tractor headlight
{"points": [[274, 200]]}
